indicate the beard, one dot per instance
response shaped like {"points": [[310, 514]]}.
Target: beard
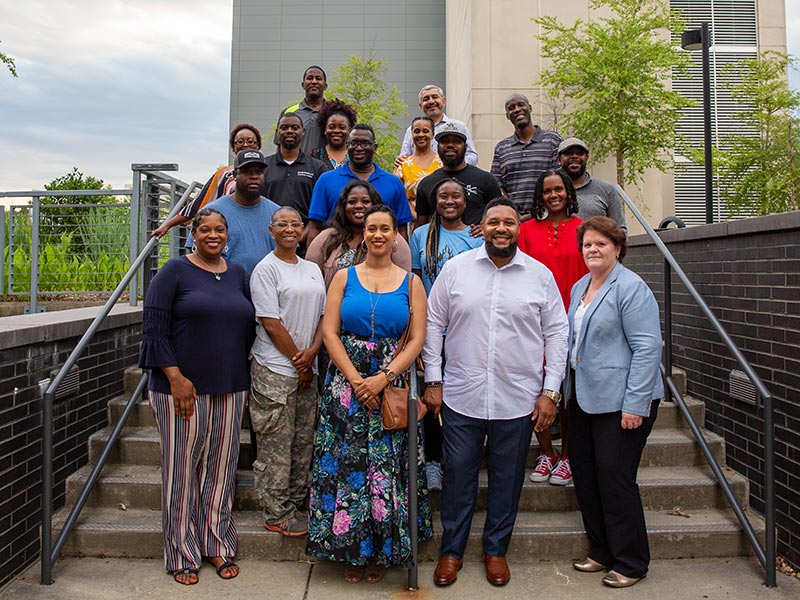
{"points": [[493, 250], [454, 162], [574, 175]]}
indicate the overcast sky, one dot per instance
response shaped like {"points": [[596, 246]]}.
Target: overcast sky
{"points": [[106, 83]]}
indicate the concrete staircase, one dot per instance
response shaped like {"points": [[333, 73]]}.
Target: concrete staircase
{"points": [[686, 512]]}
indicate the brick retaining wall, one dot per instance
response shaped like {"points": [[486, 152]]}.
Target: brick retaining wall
{"points": [[33, 346]]}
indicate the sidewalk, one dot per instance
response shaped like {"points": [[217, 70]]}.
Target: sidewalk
{"points": [[136, 579]]}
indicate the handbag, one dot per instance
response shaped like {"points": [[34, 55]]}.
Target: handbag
{"points": [[394, 407]]}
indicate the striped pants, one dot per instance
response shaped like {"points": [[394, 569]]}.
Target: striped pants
{"points": [[198, 470]]}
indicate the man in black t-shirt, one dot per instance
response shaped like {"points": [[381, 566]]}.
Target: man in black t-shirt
{"points": [[481, 186]]}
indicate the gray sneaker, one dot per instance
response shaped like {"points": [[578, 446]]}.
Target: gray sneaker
{"points": [[433, 472], [293, 527]]}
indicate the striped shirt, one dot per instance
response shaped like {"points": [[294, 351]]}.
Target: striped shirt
{"points": [[517, 164]]}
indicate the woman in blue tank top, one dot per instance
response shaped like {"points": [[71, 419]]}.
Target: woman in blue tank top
{"points": [[358, 511]]}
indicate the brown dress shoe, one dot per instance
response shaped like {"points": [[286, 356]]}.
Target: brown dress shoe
{"points": [[497, 572], [447, 570]]}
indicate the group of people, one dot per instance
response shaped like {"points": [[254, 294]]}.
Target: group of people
{"points": [[316, 279]]}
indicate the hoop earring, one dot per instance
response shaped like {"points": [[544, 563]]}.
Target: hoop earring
{"points": [[194, 248], [363, 245]]}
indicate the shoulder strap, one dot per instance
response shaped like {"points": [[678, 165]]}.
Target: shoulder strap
{"points": [[404, 338]]}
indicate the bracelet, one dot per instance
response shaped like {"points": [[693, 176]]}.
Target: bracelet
{"points": [[433, 384]]}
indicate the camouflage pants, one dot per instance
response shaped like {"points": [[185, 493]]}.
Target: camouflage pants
{"points": [[283, 418]]}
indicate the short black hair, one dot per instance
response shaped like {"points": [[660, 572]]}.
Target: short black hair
{"points": [[237, 128], [206, 212], [500, 201], [324, 74], [292, 114], [363, 127]]}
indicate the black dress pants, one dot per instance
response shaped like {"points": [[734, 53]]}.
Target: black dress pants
{"points": [[604, 459]]}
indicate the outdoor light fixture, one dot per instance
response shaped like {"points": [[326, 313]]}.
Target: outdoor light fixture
{"points": [[699, 39]]}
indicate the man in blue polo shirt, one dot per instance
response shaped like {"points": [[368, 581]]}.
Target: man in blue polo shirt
{"points": [[361, 148]]}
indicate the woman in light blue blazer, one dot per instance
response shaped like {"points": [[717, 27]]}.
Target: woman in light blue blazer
{"points": [[614, 386]]}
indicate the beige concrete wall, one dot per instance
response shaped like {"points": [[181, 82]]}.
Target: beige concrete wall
{"points": [[492, 44]]}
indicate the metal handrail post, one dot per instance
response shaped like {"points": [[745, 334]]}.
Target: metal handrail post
{"points": [[133, 238], [668, 325], [770, 541], [413, 491], [47, 486], [35, 216]]}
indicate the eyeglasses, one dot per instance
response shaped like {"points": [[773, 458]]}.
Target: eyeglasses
{"points": [[360, 144], [245, 142], [285, 225]]}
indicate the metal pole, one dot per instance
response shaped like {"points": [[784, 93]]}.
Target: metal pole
{"points": [[667, 326], [413, 492], [35, 216], [47, 487], [133, 241], [706, 42], [770, 548]]}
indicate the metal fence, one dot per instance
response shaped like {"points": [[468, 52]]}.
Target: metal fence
{"points": [[78, 242]]}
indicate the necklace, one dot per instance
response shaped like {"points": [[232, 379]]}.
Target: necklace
{"points": [[210, 268], [374, 305]]}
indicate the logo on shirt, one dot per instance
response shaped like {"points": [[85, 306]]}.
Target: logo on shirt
{"points": [[305, 174]]}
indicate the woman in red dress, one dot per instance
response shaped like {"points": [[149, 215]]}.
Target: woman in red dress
{"points": [[551, 238]]}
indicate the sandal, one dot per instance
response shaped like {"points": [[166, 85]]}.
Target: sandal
{"points": [[353, 573], [374, 573], [224, 565], [187, 571]]}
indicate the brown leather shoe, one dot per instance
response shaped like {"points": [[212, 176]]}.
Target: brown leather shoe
{"points": [[497, 572], [447, 570]]}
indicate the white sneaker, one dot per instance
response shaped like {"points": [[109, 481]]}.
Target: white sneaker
{"points": [[562, 474], [543, 469]]}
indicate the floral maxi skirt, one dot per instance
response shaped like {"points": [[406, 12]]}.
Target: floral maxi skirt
{"points": [[358, 510]]}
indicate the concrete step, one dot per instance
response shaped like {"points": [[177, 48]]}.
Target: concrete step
{"points": [[665, 448], [136, 533], [662, 488]]}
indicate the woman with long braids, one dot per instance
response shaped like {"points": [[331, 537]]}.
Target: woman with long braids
{"points": [[433, 244], [549, 237]]}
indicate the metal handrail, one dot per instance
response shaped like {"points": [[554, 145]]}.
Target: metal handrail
{"points": [[49, 554], [768, 553]]}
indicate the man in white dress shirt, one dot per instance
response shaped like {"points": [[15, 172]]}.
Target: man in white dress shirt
{"points": [[504, 318]]}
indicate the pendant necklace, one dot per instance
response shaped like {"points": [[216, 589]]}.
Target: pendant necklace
{"points": [[374, 305], [216, 273]]}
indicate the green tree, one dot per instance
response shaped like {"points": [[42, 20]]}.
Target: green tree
{"points": [[614, 70], [761, 172], [9, 63], [69, 215], [359, 82]]}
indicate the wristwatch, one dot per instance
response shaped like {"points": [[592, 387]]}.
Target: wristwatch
{"points": [[553, 395], [390, 375]]}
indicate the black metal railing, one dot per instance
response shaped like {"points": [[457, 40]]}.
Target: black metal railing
{"points": [[766, 554], [49, 552]]}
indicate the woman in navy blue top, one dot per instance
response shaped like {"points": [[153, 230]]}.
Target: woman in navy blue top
{"points": [[198, 325], [358, 511]]}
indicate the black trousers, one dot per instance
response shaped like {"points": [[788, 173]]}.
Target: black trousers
{"points": [[507, 445], [604, 459]]}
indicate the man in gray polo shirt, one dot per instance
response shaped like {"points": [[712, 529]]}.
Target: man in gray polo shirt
{"points": [[596, 198], [314, 84], [520, 158]]}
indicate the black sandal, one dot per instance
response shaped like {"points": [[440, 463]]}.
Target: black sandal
{"points": [[186, 571], [226, 564]]}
